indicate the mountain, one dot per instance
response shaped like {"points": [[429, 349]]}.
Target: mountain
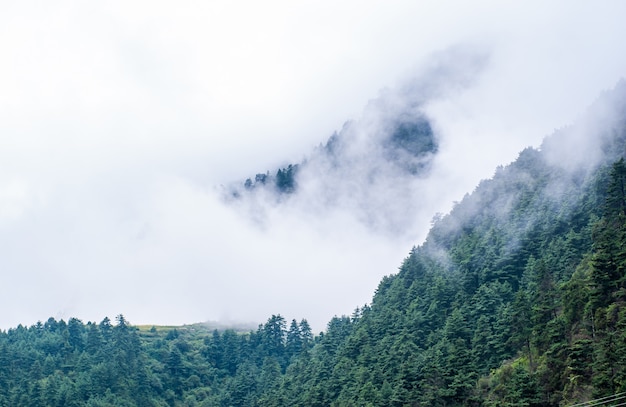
{"points": [[405, 144], [516, 298], [377, 168], [371, 167]]}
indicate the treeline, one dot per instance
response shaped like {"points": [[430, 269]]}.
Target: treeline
{"points": [[483, 320], [516, 298], [407, 145], [60, 363], [283, 182], [516, 306]]}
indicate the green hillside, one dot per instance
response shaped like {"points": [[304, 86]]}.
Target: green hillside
{"points": [[516, 298]]}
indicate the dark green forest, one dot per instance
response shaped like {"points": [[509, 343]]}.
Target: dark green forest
{"points": [[516, 298]]}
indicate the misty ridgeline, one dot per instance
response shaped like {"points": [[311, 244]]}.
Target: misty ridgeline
{"points": [[517, 297], [376, 169], [352, 171]]}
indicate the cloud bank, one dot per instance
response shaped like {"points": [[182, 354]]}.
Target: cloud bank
{"points": [[118, 121], [377, 168]]}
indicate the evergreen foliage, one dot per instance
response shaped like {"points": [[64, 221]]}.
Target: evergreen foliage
{"points": [[516, 298], [407, 144]]}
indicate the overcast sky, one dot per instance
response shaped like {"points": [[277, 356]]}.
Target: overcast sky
{"points": [[119, 121]]}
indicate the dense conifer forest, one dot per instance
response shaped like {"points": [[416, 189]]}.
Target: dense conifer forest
{"points": [[516, 298]]}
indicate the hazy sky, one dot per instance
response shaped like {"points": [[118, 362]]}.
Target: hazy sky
{"points": [[119, 121]]}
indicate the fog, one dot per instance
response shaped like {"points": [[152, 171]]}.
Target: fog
{"points": [[120, 123]]}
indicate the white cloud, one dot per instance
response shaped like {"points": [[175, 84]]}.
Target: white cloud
{"points": [[117, 119]]}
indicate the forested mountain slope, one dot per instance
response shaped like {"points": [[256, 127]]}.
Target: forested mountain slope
{"points": [[516, 298]]}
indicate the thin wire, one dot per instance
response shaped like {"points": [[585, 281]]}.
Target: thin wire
{"points": [[603, 400], [610, 400]]}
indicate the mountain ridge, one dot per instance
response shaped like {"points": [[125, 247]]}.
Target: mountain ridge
{"points": [[516, 297]]}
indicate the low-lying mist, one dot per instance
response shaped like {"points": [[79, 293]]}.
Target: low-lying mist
{"points": [[122, 126]]}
